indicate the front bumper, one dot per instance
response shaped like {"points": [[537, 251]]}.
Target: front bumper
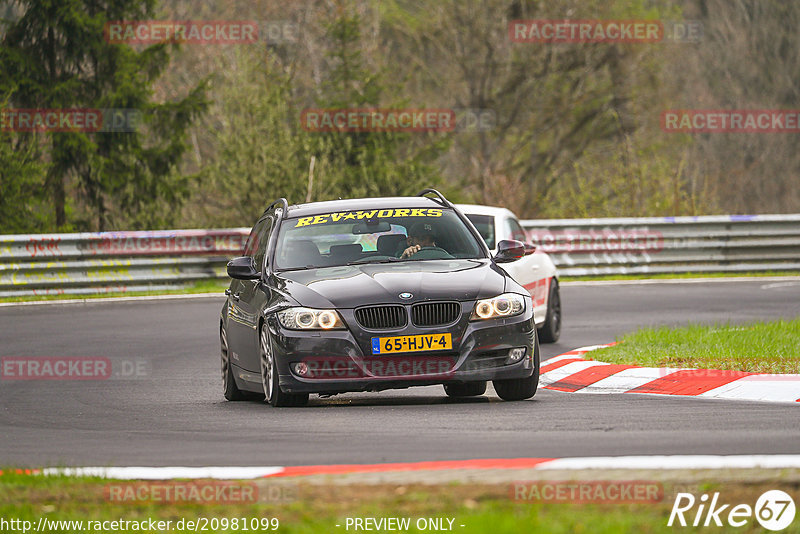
{"points": [[342, 360]]}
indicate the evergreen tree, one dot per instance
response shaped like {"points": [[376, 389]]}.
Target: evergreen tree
{"points": [[54, 55]]}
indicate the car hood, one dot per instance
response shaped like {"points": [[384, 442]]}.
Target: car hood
{"points": [[359, 285]]}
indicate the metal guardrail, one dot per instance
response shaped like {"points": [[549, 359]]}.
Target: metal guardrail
{"points": [[111, 262], [655, 245], [136, 261]]}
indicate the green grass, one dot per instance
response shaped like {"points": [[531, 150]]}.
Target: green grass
{"points": [[202, 286], [319, 508], [677, 276], [761, 347]]}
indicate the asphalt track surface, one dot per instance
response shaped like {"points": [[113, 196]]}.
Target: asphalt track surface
{"points": [[175, 415]]}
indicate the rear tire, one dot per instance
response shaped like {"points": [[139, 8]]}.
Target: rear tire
{"points": [[230, 390], [468, 389], [520, 388], [551, 329], [269, 377]]}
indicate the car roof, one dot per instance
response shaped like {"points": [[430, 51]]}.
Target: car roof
{"points": [[330, 206], [475, 209]]}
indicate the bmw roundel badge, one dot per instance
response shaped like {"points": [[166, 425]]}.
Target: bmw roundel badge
{"points": [[406, 295]]}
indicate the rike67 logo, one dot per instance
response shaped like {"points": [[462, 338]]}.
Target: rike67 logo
{"points": [[774, 510]]}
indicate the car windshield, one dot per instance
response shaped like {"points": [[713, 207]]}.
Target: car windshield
{"points": [[373, 236], [485, 226]]}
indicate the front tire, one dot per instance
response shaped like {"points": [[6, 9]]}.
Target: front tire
{"points": [[467, 389], [517, 389], [269, 377], [230, 390], [551, 329]]}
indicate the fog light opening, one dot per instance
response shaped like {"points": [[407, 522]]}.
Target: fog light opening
{"points": [[300, 368], [515, 355]]}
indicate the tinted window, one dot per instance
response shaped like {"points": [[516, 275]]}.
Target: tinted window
{"points": [[263, 239], [252, 241], [516, 231], [257, 242], [485, 226]]}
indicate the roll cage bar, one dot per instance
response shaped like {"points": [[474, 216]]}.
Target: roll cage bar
{"points": [[441, 199], [284, 204]]}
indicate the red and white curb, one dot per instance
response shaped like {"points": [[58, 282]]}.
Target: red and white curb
{"points": [[771, 461], [572, 372]]}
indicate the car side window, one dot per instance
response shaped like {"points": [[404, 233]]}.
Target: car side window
{"points": [[257, 242], [263, 240], [252, 241], [485, 226], [516, 231]]}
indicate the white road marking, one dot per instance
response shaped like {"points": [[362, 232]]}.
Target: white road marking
{"points": [[780, 284], [570, 369], [754, 461], [562, 357], [649, 281], [627, 379], [784, 388], [219, 295], [655, 462], [165, 473], [759, 387], [590, 348]]}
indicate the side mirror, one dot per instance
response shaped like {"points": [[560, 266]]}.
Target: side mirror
{"points": [[243, 268], [529, 249], [509, 250]]}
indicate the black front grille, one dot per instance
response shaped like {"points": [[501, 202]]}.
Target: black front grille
{"points": [[382, 317], [435, 313]]}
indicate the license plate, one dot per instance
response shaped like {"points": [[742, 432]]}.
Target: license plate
{"points": [[420, 343]]}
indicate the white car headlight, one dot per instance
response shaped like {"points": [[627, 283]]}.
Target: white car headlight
{"points": [[309, 319], [504, 305]]}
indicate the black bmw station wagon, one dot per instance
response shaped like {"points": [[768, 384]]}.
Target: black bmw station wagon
{"points": [[374, 294]]}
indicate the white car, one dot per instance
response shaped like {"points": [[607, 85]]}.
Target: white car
{"points": [[536, 271]]}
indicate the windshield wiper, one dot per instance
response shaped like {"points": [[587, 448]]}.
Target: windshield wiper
{"points": [[370, 260], [299, 268]]}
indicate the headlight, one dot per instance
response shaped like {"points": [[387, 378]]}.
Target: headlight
{"points": [[504, 305], [308, 319]]}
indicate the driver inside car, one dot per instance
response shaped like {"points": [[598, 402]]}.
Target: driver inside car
{"points": [[422, 244]]}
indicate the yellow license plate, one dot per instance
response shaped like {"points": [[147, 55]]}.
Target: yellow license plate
{"points": [[420, 343]]}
